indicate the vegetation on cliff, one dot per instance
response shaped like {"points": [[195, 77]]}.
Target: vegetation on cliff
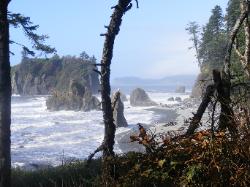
{"points": [[210, 44], [41, 76]]}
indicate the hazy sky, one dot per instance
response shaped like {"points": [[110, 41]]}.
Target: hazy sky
{"points": [[152, 41]]}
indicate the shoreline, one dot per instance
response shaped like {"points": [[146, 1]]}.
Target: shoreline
{"points": [[170, 118]]}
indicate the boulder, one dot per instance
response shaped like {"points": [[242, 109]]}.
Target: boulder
{"points": [[180, 89], [139, 97], [171, 99], [118, 111], [90, 102], [178, 99]]}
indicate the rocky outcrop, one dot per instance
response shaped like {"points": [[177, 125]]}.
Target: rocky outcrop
{"points": [[171, 99], [122, 96], [77, 98], [180, 89], [178, 99], [118, 111], [90, 102], [35, 76], [201, 83], [139, 97]]}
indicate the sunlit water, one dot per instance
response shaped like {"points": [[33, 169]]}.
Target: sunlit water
{"points": [[40, 136]]}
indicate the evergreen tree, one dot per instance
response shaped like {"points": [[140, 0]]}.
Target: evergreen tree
{"points": [[233, 12], [5, 97], [213, 42], [16, 20], [194, 30], [84, 56]]}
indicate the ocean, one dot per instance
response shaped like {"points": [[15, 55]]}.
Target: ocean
{"points": [[41, 137]]}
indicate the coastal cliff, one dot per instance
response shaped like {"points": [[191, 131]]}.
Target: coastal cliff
{"points": [[42, 76]]}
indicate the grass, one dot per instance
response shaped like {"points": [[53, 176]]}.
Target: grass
{"points": [[75, 174]]}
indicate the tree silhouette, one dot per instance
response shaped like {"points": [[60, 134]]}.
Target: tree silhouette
{"points": [[5, 97], [16, 20], [109, 131]]}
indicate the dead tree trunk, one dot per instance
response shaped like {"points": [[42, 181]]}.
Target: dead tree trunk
{"points": [[222, 83], [5, 98], [226, 116], [226, 119], [109, 133], [245, 57], [224, 90], [194, 124]]}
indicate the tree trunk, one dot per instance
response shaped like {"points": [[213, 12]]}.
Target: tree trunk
{"points": [[226, 119], [223, 88], [109, 132], [194, 124], [5, 98]]}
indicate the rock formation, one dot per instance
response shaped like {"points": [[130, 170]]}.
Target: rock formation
{"points": [[178, 99], [171, 99], [201, 83], [122, 96], [139, 97], [42, 76], [180, 89], [118, 111], [90, 102], [77, 98]]}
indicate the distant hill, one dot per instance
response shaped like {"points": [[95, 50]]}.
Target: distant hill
{"points": [[40, 76], [185, 80]]}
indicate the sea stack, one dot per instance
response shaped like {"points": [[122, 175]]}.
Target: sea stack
{"points": [[139, 97], [118, 111]]}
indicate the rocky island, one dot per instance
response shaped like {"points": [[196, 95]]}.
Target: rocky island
{"points": [[43, 76]]}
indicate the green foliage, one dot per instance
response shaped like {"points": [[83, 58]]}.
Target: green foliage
{"points": [[54, 73], [194, 30], [213, 41], [17, 20], [233, 12], [70, 175], [203, 159], [199, 160]]}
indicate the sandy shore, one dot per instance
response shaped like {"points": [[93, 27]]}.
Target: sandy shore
{"points": [[166, 119]]}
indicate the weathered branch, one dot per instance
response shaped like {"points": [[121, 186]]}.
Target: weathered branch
{"points": [[240, 55], [97, 71], [233, 34], [226, 116], [99, 149], [195, 121], [247, 42], [223, 87]]}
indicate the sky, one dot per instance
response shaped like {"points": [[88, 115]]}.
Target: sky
{"points": [[152, 42]]}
